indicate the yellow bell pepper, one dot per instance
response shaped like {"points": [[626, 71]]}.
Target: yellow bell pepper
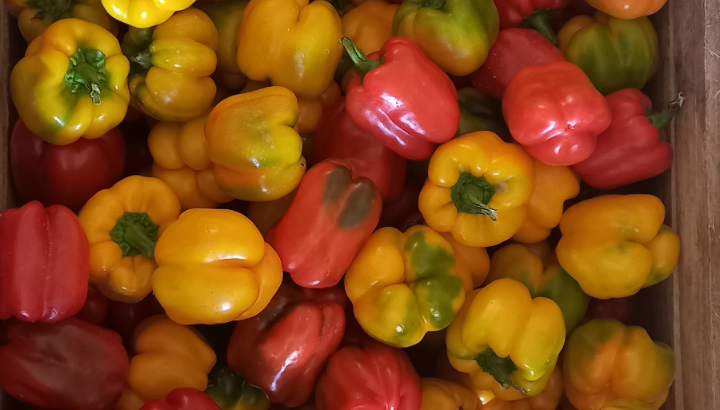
{"points": [[72, 83], [614, 245], [171, 66], [369, 25], [627, 404], [477, 188], [168, 356], [473, 263], [291, 43], [180, 152], [34, 17], [122, 225], [144, 13], [503, 333], [214, 267], [548, 399], [445, 395], [403, 285], [606, 360], [553, 186], [256, 152]]}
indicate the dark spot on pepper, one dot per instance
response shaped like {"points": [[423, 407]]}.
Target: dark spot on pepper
{"points": [[359, 204], [337, 181]]}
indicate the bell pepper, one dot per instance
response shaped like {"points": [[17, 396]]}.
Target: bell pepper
{"points": [[122, 224], [310, 110], [555, 112], [78, 69], [369, 25], [95, 309], [548, 399], [171, 66], [627, 404], [547, 280], [332, 215], [214, 267], [44, 263], [480, 113], [553, 186], [65, 175], [168, 356], [533, 14], [298, 48], [181, 161], [144, 13], [504, 333], [630, 149], [71, 365], [338, 137], [251, 140], [403, 285], [514, 50], [182, 399], [396, 210], [230, 391], [628, 9], [472, 263], [454, 34], [375, 376], [477, 188], [265, 214], [283, 349], [125, 317], [614, 245], [605, 360], [34, 17], [403, 99], [444, 395], [614, 53]]}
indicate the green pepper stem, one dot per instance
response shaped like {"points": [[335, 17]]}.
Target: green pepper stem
{"points": [[540, 22], [662, 119], [358, 57], [53, 8], [137, 237], [471, 195], [135, 234], [144, 59], [432, 4], [86, 73]]}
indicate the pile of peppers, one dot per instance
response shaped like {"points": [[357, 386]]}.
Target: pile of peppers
{"points": [[347, 205]]}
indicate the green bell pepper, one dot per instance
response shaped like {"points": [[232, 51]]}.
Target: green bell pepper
{"points": [[230, 391]]}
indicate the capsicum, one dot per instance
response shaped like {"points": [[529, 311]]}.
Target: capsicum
{"points": [[630, 150], [472, 263], [144, 13], [171, 66], [125, 317], [445, 395], [251, 140], [44, 264], [214, 267], [338, 211], [369, 25], [79, 70], [34, 17], [614, 53], [455, 34], [628, 9], [605, 360], [396, 210], [230, 391], [627, 404], [283, 349], [70, 365], [479, 112], [477, 188], [555, 112], [182, 399], [265, 214], [533, 14], [614, 245], [122, 224], [548, 399], [403, 99]]}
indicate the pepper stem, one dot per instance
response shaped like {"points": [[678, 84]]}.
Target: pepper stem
{"points": [[135, 234], [432, 4], [358, 57], [52, 8], [471, 195], [662, 119], [86, 73], [540, 22]]}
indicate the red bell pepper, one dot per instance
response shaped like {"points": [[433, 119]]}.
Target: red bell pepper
{"points": [[533, 14], [124, 317], [395, 211], [515, 49], [182, 399], [64, 174], [332, 215], [404, 99], [44, 263], [282, 349], [69, 365], [555, 112], [630, 149], [338, 137], [95, 308], [371, 378]]}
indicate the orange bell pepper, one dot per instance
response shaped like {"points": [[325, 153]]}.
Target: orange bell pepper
{"points": [[628, 9], [369, 25], [445, 395]]}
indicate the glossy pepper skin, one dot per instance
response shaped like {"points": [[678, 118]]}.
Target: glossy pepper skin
{"points": [[515, 49], [338, 211], [627, 404], [251, 140], [182, 399], [372, 377], [369, 25], [627, 9], [614, 53], [533, 14], [630, 150], [81, 73], [214, 267], [503, 332], [34, 17], [477, 189], [171, 66], [122, 225], [404, 99], [144, 13], [614, 245], [445, 395], [605, 360], [65, 175], [555, 112], [294, 44], [455, 34], [230, 391], [283, 349], [70, 364], [44, 264], [338, 137], [479, 112], [168, 356], [181, 160], [403, 285]]}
